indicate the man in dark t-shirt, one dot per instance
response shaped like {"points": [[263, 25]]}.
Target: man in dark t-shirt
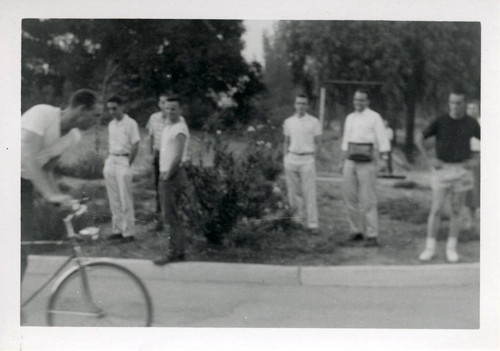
{"points": [[451, 170]]}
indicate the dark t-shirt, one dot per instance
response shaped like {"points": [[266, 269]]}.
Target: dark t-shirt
{"points": [[453, 137]]}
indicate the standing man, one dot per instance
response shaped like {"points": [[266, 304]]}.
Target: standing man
{"points": [[173, 153], [451, 174], [364, 135], [302, 144], [46, 132], [473, 197], [123, 141], [156, 123]]}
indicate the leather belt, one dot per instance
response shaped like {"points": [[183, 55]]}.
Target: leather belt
{"points": [[302, 153], [122, 155]]}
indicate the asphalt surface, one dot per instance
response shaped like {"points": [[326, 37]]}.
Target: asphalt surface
{"points": [[226, 295]]}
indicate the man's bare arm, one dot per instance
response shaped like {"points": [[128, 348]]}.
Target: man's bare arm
{"points": [[41, 179], [133, 153], [286, 145], [317, 145]]}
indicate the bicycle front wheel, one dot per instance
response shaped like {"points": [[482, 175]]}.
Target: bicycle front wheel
{"points": [[100, 294]]}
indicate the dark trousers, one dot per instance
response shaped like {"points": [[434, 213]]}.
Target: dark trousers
{"points": [[156, 172], [27, 219], [171, 191]]}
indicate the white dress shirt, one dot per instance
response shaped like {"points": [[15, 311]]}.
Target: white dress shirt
{"points": [[302, 131], [122, 135], [365, 127]]}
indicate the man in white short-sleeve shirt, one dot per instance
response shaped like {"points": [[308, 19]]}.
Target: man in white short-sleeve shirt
{"points": [[156, 123], [173, 153], [302, 142], [46, 132], [364, 135], [123, 141]]}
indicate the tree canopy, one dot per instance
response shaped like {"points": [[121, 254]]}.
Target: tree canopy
{"points": [[418, 62], [198, 59]]}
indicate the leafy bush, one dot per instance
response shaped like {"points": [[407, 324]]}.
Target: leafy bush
{"points": [[89, 166], [230, 191]]}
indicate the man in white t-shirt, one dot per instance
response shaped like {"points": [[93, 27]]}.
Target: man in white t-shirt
{"points": [[46, 132], [364, 139], [302, 143], [123, 140], [173, 153], [156, 123]]}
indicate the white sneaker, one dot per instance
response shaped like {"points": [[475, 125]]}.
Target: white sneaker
{"points": [[452, 256], [427, 255]]}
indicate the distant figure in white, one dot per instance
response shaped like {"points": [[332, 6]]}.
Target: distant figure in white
{"points": [[301, 146], [123, 140]]}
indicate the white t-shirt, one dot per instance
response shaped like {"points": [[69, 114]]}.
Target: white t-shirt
{"points": [[122, 135], [365, 127], [302, 131], [170, 132], [43, 120]]}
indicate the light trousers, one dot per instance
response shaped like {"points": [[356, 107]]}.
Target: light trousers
{"points": [[359, 191], [301, 185], [118, 179]]}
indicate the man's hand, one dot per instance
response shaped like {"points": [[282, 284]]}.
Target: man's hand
{"points": [[340, 167], [471, 163], [164, 175], [435, 163], [66, 202]]}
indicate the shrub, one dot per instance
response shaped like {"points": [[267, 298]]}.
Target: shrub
{"points": [[221, 196]]}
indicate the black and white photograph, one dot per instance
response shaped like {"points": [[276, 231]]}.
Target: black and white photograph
{"points": [[186, 175]]}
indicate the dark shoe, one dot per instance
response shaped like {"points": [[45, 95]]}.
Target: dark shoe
{"points": [[120, 238], [113, 237], [127, 239], [161, 260], [356, 237], [371, 242], [314, 231], [164, 259]]}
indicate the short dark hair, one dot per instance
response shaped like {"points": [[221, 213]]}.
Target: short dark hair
{"points": [[474, 102], [174, 98], [116, 99], [163, 95], [301, 95], [83, 97], [458, 91], [362, 91]]}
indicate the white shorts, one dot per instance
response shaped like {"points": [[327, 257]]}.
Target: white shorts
{"points": [[452, 176]]}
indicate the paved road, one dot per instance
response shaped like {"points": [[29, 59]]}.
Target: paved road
{"points": [[206, 304]]}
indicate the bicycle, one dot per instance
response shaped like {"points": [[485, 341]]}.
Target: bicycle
{"points": [[95, 292]]}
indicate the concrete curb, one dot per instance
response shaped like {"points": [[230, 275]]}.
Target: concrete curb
{"points": [[369, 276]]}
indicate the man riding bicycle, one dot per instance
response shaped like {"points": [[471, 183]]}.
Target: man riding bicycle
{"points": [[46, 132]]}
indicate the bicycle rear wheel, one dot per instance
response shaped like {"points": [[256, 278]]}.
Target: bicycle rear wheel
{"points": [[100, 294]]}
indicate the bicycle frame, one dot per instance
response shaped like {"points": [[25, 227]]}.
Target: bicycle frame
{"points": [[61, 268], [74, 256]]}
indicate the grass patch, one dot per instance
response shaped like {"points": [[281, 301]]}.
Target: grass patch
{"points": [[404, 209]]}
